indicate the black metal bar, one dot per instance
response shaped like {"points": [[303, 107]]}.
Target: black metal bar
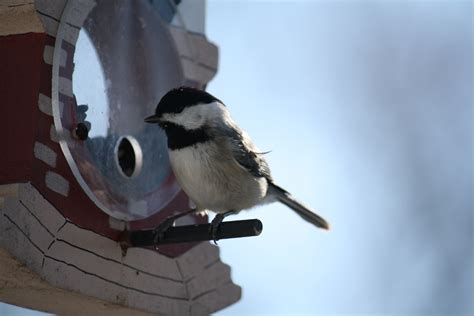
{"points": [[193, 233]]}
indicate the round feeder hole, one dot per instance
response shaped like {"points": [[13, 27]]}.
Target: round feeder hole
{"points": [[128, 156]]}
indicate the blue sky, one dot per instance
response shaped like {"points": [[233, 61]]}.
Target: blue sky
{"points": [[367, 110]]}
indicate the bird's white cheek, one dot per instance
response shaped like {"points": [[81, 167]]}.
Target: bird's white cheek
{"points": [[190, 118]]}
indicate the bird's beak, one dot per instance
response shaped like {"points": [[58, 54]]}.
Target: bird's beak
{"points": [[152, 119]]}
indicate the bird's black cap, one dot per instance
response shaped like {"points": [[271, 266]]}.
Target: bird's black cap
{"points": [[176, 100]]}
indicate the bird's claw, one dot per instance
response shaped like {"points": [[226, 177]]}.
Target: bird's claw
{"points": [[216, 222], [160, 230]]}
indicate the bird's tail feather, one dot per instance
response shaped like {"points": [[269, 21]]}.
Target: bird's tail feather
{"points": [[286, 198]]}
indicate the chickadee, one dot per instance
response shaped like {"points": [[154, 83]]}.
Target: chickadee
{"points": [[214, 161]]}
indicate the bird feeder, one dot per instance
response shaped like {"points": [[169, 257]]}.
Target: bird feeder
{"points": [[79, 167]]}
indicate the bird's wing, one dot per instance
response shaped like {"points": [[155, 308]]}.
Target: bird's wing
{"points": [[244, 151]]}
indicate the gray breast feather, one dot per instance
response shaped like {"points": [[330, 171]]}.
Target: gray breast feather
{"points": [[243, 150]]}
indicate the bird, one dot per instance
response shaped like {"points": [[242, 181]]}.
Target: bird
{"points": [[214, 160]]}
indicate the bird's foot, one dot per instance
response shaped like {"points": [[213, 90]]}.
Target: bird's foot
{"points": [[160, 230], [216, 222]]}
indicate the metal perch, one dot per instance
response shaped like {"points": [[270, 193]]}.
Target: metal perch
{"points": [[192, 233]]}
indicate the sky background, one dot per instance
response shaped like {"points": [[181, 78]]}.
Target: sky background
{"points": [[367, 109]]}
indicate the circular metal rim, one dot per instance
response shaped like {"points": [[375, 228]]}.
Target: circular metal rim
{"points": [[137, 150]]}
